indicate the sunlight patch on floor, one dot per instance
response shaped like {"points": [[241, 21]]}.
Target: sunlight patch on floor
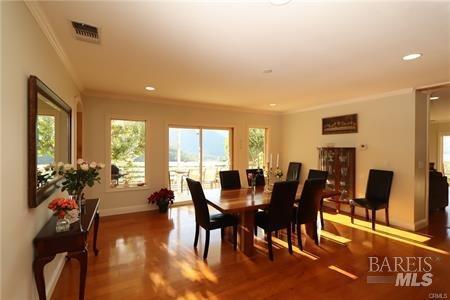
{"points": [[399, 235], [343, 272], [335, 238], [295, 249], [346, 220]]}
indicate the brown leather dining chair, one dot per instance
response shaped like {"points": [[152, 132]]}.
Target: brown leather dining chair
{"points": [[293, 172], [279, 214], [378, 191], [308, 206], [319, 174], [205, 220], [230, 180]]}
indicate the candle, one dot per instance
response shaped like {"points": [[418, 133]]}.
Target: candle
{"points": [[270, 165], [278, 160]]}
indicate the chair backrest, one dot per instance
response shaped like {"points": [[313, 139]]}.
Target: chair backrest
{"points": [[260, 181], [379, 186], [317, 174], [230, 179], [293, 172], [200, 204], [281, 204], [310, 199]]}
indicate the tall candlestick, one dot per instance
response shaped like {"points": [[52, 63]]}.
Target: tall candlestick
{"points": [[278, 160], [270, 165]]}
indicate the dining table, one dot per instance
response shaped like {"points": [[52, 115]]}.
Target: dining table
{"points": [[244, 203]]}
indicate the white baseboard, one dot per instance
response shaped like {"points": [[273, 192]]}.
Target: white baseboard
{"points": [[125, 210], [51, 284]]}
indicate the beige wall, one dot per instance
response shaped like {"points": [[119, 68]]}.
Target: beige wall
{"points": [[25, 51], [420, 160], [386, 124], [98, 110]]}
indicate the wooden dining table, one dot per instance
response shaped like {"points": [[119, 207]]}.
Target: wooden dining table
{"points": [[244, 202]]}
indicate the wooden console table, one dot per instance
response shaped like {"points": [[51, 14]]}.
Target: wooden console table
{"points": [[48, 243]]}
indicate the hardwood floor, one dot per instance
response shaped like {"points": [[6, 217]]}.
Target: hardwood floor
{"points": [[151, 256]]}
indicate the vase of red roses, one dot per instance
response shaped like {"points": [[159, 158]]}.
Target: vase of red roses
{"points": [[163, 198], [60, 208]]}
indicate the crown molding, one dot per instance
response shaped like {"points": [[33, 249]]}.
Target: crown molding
{"points": [[41, 19], [433, 87], [352, 100], [174, 102]]}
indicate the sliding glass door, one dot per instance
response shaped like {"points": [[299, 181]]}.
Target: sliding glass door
{"points": [[198, 153]]}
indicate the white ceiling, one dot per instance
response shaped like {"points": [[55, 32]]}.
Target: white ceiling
{"points": [[216, 51]]}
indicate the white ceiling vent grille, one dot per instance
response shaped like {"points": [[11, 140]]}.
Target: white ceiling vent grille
{"points": [[85, 32]]}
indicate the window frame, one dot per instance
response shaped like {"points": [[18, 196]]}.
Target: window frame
{"points": [[122, 188], [232, 141], [266, 143]]}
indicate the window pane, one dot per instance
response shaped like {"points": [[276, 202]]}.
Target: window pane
{"points": [[45, 144], [127, 152], [216, 155], [446, 155], [256, 147], [184, 159]]}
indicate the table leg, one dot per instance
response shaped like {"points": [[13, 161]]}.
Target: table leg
{"points": [[246, 232], [38, 269], [96, 222], [82, 257]]}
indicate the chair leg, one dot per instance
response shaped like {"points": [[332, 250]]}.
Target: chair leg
{"points": [[269, 244], [374, 218], [299, 237], [256, 230], [205, 251], [352, 212], [315, 234], [222, 233], [235, 230], [387, 215], [197, 229], [367, 214], [289, 239], [321, 219]]}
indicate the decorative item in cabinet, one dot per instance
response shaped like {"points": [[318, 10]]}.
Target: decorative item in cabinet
{"points": [[339, 162]]}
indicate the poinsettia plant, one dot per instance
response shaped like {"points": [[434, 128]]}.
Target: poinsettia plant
{"points": [[61, 206], [162, 198]]}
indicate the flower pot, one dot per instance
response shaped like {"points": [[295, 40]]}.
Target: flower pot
{"points": [[62, 225], [163, 207]]}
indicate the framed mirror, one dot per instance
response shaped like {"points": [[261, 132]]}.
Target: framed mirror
{"points": [[49, 139]]}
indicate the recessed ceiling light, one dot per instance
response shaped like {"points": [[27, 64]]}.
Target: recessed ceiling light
{"points": [[434, 98], [272, 104], [279, 2], [267, 71], [149, 88], [412, 56]]}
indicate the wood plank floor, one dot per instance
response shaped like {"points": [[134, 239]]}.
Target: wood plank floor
{"points": [[150, 256]]}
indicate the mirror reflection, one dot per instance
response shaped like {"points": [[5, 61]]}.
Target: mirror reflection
{"points": [[52, 139]]}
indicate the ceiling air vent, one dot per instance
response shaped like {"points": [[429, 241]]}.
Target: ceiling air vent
{"points": [[85, 32]]}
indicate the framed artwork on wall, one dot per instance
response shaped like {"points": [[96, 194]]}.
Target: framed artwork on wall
{"points": [[340, 124]]}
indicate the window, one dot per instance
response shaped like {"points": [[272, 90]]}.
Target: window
{"points": [[46, 143], [198, 153], [127, 153], [257, 144], [446, 155]]}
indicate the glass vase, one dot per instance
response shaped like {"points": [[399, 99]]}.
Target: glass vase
{"points": [[62, 225]]}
